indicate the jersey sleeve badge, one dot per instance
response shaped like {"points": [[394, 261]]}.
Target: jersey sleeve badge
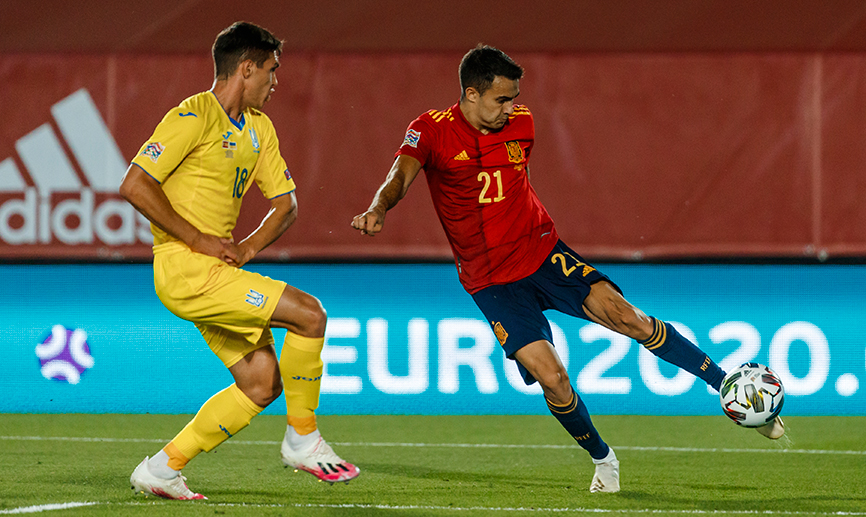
{"points": [[412, 138], [153, 150]]}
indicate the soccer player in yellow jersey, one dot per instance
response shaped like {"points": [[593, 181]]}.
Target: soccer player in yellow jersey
{"points": [[189, 180]]}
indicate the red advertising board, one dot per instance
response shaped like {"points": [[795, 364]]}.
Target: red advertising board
{"points": [[690, 145]]}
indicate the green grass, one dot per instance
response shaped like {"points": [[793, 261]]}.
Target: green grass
{"points": [[670, 466]]}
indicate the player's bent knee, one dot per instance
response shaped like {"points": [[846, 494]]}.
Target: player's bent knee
{"points": [[316, 317], [262, 394], [274, 394], [301, 313], [555, 382]]}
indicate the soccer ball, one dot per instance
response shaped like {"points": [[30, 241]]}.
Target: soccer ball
{"points": [[752, 395]]}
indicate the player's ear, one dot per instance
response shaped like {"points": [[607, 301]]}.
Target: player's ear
{"points": [[471, 94], [247, 67]]}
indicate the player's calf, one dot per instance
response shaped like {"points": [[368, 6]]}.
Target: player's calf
{"points": [[669, 345]]}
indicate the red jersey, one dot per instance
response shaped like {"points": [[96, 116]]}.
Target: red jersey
{"points": [[498, 230]]}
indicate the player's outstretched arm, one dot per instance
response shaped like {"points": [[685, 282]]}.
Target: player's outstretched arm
{"points": [[146, 195], [397, 183], [283, 212]]}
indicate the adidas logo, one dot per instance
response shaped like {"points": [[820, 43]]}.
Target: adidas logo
{"points": [[462, 156], [49, 208]]}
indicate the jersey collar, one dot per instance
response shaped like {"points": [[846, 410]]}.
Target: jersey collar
{"points": [[238, 124]]}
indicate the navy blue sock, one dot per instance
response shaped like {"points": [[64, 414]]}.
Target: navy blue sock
{"points": [[669, 345], [575, 419]]}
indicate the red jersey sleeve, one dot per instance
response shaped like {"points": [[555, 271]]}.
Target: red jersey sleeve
{"points": [[420, 140]]}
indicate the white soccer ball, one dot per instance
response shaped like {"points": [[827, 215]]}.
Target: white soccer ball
{"points": [[752, 395]]}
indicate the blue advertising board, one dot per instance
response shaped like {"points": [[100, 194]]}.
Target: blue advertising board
{"points": [[406, 339]]}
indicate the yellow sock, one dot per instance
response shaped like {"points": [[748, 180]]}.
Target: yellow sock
{"points": [[303, 425], [221, 417], [301, 368], [176, 459]]}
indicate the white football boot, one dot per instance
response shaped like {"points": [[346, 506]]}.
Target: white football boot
{"points": [[146, 483], [320, 460], [606, 478], [774, 430]]}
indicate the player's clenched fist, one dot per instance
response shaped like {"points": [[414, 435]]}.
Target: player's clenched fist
{"points": [[370, 222]]}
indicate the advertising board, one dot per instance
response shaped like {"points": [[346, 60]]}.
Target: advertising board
{"points": [[406, 339]]}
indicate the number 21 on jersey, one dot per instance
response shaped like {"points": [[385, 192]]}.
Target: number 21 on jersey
{"points": [[485, 178]]}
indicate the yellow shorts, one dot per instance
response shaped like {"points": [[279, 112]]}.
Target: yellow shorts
{"points": [[232, 308]]}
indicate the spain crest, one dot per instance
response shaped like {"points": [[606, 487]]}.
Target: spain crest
{"points": [[501, 335], [515, 152]]}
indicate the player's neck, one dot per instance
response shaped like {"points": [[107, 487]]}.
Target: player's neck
{"points": [[473, 121], [230, 95]]}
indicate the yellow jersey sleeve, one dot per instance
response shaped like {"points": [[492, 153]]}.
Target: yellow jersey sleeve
{"points": [[179, 132], [271, 174]]}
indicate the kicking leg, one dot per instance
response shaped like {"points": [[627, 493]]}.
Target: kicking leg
{"points": [[540, 360], [607, 307]]}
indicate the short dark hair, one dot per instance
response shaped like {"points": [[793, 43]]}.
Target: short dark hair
{"points": [[481, 65], [242, 41]]}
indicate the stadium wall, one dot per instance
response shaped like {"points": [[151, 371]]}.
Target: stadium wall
{"points": [[406, 339], [638, 155]]}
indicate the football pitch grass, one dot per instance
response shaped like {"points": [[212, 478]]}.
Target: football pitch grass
{"points": [[443, 465]]}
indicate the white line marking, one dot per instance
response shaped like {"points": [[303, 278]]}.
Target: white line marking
{"points": [[82, 439], [45, 508], [534, 509], [443, 445], [63, 506]]}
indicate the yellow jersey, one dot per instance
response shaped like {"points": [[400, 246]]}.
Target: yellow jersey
{"points": [[205, 162]]}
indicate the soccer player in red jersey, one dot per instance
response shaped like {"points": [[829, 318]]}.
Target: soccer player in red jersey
{"points": [[509, 258]]}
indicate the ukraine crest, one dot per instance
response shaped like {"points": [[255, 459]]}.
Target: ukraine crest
{"points": [[255, 140], [515, 152]]}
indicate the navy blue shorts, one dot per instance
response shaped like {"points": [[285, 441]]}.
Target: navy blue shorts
{"points": [[515, 311]]}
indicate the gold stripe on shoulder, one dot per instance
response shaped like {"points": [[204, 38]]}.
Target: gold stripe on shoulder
{"points": [[438, 116]]}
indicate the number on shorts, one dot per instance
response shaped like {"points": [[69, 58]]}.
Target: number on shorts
{"points": [[567, 271]]}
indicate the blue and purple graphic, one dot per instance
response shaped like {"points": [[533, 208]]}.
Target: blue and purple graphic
{"points": [[64, 354]]}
